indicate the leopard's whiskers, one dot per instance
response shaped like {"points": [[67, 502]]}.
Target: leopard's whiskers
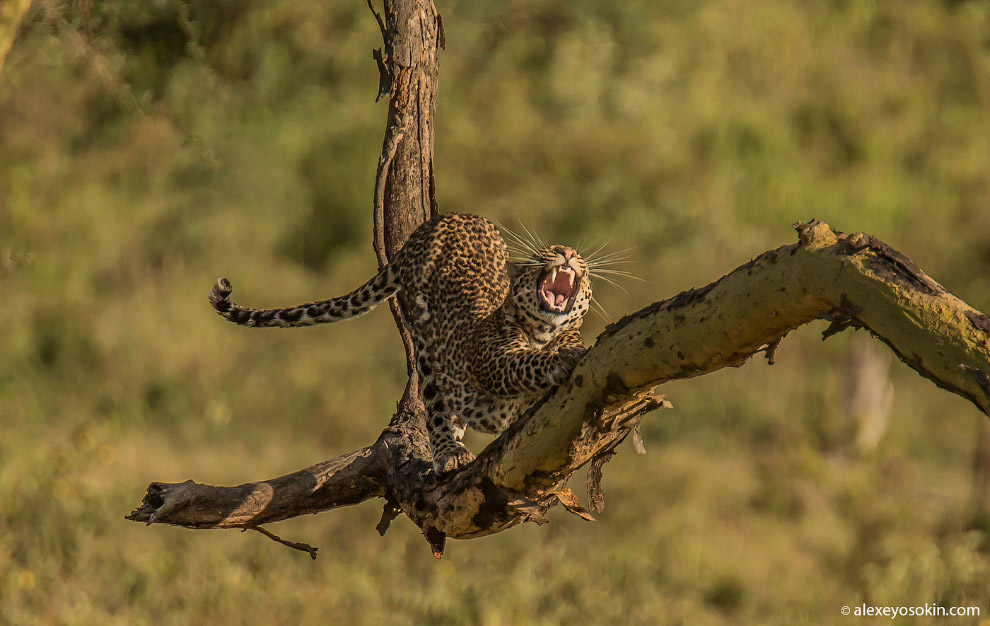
{"points": [[581, 245], [609, 261], [521, 242], [599, 310], [535, 239], [598, 271], [518, 254], [618, 256], [593, 253], [609, 264], [612, 282], [599, 261]]}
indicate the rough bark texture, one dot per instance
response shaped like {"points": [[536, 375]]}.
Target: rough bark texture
{"points": [[854, 281]]}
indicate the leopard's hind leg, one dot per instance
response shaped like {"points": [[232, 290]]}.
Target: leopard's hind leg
{"points": [[443, 425]]}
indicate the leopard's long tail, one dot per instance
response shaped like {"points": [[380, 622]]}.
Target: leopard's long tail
{"points": [[357, 302]]}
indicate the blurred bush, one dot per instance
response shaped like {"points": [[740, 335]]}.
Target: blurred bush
{"points": [[147, 148]]}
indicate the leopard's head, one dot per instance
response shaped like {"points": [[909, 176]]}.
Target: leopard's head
{"points": [[551, 290]]}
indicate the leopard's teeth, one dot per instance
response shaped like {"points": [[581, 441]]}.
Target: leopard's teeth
{"points": [[553, 275], [572, 277]]}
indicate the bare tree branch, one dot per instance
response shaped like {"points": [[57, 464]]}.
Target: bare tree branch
{"points": [[295, 545], [345, 480]]}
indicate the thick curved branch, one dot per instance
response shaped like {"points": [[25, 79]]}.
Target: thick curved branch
{"points": [[854, 280]]}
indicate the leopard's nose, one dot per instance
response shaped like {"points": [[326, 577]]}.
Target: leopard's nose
{"points": [[568, 254]]}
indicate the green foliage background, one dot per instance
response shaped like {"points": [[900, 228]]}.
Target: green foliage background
{"points": [[148, 147]]}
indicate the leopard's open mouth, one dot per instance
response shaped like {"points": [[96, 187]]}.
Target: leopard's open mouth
{"points": [[558, 289]]}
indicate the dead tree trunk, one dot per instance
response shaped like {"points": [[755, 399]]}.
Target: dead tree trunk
{"points": [[852, 280]]}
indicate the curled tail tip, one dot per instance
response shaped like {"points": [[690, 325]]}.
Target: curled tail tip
{"points": [[220, 295]]}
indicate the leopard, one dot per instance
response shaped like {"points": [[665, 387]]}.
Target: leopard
{"points": [[491, 336]]}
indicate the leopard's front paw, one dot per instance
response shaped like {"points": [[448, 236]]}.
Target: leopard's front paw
{"points": [[569, 358], [451, 460]]}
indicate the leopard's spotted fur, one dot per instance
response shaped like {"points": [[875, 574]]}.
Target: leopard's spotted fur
{"points": [[488, 347]]}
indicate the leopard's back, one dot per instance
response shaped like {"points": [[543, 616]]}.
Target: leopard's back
{"points": [[453, 273]]}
